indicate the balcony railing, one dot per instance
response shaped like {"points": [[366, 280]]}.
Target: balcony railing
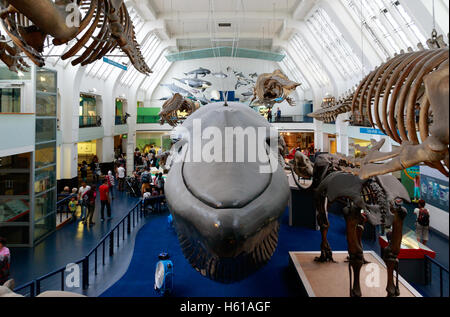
{"points": [[147, 119], [90, 121], [293, 119]]}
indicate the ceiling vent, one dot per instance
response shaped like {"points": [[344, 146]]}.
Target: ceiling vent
{"points": [[224, 25]]}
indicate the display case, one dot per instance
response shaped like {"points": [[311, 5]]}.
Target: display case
{"points": [[412, 263]]}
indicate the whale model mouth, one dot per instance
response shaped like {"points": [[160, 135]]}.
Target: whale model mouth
{"points": [[227, 214]]}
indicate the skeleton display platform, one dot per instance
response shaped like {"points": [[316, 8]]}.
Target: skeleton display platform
{"points": [[332, 279]]}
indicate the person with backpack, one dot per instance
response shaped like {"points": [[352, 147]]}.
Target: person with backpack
{"points": [[422, 222]]}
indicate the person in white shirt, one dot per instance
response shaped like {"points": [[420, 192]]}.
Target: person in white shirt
{"points": [[422, 222], [111, 183], [83, 190], [121, 177]]}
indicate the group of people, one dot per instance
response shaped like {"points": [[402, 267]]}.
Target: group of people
{"points": [[149, 159], [277, 115], [85, 197]]}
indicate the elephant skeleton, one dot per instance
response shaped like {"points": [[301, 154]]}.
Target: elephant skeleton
{"points": [[90, 28], [373, 200], [274, 88], [390, 98]]}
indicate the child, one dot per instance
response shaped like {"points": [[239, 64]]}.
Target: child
{"points": [[73, 207]]}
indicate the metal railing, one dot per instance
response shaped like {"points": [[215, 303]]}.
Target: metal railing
{"points": [[90, 121], [62, 207], [293, 119], [428, 273], [109, 245]]}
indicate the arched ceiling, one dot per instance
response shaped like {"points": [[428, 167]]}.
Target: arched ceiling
{"points": [[330, 44]]}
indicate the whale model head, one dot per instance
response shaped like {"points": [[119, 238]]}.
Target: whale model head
{"points": [[225, 196]]}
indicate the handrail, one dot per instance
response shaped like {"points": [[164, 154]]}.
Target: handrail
{"points": [[441, 269], [436, 263], [130, 219]]}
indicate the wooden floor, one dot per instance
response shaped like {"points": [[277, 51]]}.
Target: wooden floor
{"points": [[332, 279]]}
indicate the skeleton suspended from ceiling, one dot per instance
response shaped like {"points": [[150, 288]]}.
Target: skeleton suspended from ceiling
{"points": [[330, 111], [274, 88], [176, 109], [90, 28]]}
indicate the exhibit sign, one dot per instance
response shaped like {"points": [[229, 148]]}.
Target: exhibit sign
{"points": [[113, 63], [434, 188], [371, 131]]}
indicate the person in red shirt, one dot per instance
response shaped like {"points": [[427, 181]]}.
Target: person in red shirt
{"points": [[105, 200]]}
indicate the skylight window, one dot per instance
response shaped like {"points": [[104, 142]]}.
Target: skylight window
{"points": [[387, 23], [304, 53], [335, 45]]}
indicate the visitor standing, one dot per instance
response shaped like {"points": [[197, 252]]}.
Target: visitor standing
{"points": [[278, 115], [105, 200], [91, 197], [82, 200], [416, 188], [84, 171], [5, 260], [121, 177], [159, 183], [269, 115], [111, 184], [422, 222]]}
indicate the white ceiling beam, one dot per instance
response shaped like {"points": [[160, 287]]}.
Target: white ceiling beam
{"points": [[303, 9], [221, 35], [145, 10], [224, 16]]}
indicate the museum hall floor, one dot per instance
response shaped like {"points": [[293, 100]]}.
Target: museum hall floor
{"points": [[73, 241]]}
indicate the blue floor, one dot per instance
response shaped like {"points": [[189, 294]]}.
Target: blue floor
{"points": [[271, 281], [66, 245]]}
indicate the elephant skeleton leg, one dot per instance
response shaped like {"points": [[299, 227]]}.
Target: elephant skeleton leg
{"points": [[355, 249], [390, 253]]}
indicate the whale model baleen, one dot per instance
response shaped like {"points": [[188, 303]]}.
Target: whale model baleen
{"points": [[226, 214], [199, 72]]}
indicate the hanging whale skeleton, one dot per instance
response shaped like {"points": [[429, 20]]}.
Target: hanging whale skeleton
{"points": [[90, 28]]}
